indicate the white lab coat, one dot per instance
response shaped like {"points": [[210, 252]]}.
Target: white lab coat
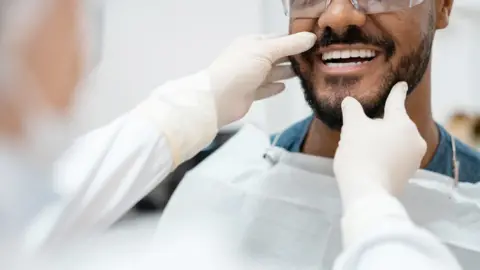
{"points": [[107, 172], [100, 177]]}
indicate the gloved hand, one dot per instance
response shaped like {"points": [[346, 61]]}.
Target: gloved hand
{"points": [[376, 155], [189, 111], [373, 163], [248, 70]]}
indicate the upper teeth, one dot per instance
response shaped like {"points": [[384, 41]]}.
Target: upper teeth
{"points": [[348, 54]]}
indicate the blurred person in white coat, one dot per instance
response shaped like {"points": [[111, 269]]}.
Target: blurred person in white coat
{"points": [[107, 171], [104, 173]]}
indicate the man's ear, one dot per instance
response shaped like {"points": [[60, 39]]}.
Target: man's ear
{"points": [[443, 9]]}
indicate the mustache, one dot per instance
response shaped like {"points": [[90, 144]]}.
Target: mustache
{"points": [[354, 35]]}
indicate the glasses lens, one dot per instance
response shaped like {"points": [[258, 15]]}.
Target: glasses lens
{"points": [[382, 6]]}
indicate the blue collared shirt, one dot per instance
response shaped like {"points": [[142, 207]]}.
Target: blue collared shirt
{"points": [[442, 162]]}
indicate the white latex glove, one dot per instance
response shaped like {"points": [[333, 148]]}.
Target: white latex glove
{"points": [[249, 70], [189, 111], [377, 155]]}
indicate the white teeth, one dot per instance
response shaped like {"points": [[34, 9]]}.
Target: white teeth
{"points": [[345, 54], [349, 64]]}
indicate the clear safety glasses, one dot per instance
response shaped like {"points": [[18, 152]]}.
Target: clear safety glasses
{"points": [[314, 8]]}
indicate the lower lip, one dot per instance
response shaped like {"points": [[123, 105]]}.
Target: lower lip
{"points": [[353, 69]]}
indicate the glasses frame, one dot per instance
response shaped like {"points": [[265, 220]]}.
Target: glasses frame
{"points": [[287, 3]]}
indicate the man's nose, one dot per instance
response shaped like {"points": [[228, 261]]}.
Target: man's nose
{"points": [[340, 14]]}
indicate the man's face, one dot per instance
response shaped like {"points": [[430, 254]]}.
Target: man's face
{"points": [[362, 56]]}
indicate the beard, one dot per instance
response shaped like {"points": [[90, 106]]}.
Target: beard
{"points": [[411, 69]]}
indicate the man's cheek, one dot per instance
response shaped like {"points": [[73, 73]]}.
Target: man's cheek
{"points": [[399, 25]]}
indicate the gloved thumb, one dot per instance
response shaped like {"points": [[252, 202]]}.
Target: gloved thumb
{"points": [[352, 111], [280, 47], [395, 105]]}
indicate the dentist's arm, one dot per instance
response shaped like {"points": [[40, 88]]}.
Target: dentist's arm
{"points": [[107, 171], [373, 163]]}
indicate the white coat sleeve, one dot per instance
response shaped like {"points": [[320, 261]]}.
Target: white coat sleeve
{"points": [[109, 170], [378, 235]]}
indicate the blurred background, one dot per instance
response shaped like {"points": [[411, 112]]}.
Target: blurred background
{"points": [[147, 42]]}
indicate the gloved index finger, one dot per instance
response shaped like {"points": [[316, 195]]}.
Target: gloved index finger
{"points": [[395, 105], [281, 47], [352, 111]]}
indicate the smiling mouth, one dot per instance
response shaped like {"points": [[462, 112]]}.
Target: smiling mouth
{"points": [[348, 58]]}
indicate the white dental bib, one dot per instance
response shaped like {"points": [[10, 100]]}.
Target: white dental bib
{"points": [[283, 211]]}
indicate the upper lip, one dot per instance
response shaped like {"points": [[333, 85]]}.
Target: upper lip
{"points": [[342, 47]]}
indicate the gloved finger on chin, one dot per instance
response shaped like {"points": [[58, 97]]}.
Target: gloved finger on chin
{"points": [[269, 90], [395, 105], [352, 111], [280, 73]]}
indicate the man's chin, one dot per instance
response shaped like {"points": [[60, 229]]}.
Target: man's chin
{"points": [[329, 110], [325, 98], [329, 114]]}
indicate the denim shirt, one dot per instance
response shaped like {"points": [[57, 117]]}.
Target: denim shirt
{"points": [[442, 162]]}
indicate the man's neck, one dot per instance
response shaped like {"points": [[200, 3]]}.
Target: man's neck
{"points": [[322, 141]]}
